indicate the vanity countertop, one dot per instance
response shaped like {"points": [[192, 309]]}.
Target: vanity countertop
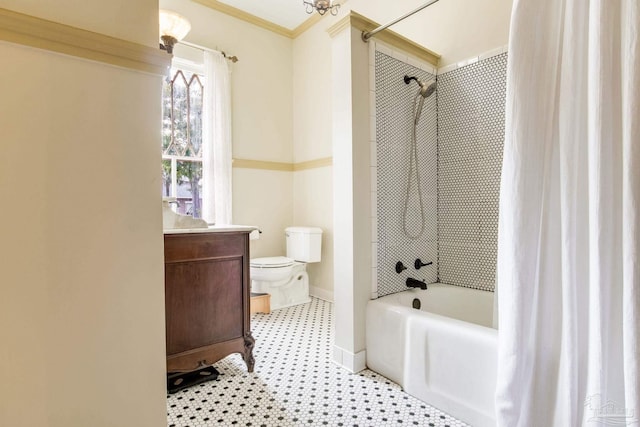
{"points": [[211, 229]]}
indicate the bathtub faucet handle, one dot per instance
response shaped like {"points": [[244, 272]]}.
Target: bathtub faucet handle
{"points": [[400, 267], [418, 264]]}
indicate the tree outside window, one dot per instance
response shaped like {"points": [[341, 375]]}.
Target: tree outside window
{"points": [[182, 141]]}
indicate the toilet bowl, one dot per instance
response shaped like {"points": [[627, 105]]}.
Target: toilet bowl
{"points": [[283, 278], [286, 278]]}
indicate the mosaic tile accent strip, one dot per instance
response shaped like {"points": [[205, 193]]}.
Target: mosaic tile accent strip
{"points": [[394, 126], [296, 384], [471, 126]]}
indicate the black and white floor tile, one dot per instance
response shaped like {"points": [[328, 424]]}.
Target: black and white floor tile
{"points": [[296, 384]]}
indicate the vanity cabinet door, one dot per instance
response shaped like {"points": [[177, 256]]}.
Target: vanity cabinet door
{"points": [[203, 303], [206, 299]]}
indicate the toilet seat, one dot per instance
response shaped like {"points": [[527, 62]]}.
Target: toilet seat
{"points": [[271, 262]]}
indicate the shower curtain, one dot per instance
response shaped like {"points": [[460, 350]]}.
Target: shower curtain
{"points": [[216, 150], [569, 233]]}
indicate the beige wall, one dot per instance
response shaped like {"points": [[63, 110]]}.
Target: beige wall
{"points": [[264, 198], [82, 311], [262, 117], [127, 20], [313, 206], [312, 110]]}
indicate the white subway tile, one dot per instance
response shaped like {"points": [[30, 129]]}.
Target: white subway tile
{"points": [[374, 204], [372, 103], [374, 182], [429, 69], [414, 62], [374, 282], [372, 129], [448, 68], [399, 56], [491, 53], [374, 255], [374, 154], [374, 229], [372, 53], [384, 49], [372, 78]]}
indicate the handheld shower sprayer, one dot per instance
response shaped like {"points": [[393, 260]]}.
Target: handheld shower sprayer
{"points": [[425, 91]]}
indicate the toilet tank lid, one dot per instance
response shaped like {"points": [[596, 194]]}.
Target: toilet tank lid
{"points": [[310, 230], [271, 262]]}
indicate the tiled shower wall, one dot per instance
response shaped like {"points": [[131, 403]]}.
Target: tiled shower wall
{"points": [[471, 103], [460, 140], [394, 125]]}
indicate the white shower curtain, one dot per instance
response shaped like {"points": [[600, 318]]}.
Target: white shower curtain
{"points": [[216, 150], [569, 234]]}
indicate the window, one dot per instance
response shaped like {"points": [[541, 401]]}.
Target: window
{"points": [[182, 140]]}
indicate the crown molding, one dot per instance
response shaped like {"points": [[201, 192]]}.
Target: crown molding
{"points": [[313, 20], [262, 23], [245, 16], [43, 34], [363, 24]]}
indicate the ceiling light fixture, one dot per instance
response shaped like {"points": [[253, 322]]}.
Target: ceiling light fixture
{"points": [[173, 28], [322, 6]]}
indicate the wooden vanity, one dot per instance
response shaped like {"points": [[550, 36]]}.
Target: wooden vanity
{"points": [[207, 297]]}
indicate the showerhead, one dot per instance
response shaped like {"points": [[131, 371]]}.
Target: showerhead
{"points": [[426, 88]]}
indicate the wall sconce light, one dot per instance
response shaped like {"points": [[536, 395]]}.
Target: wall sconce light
{"points": [[173, 28], [322, 6]]}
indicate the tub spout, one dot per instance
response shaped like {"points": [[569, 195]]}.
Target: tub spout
{"points": [[414, 283]]}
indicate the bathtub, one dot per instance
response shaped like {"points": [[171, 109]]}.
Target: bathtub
{"points": [[444, 353]]}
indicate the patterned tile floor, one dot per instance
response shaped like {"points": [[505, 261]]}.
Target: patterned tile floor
{"points": [[296, 384]]}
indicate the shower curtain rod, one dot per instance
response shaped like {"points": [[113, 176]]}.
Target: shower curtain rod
{"points": [[367, 35], [231, 58]]}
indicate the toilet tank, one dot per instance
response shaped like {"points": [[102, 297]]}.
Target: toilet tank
{"points": [[304, 243]]}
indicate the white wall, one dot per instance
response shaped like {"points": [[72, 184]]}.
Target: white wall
{"points": [[82, 307], [262, 117]]}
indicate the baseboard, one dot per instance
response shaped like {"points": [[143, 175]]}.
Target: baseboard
{"points": [[321, 293], [353, 363]]}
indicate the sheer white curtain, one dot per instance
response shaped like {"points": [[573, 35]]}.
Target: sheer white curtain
{"points": [[216, 150], [569, 234]]}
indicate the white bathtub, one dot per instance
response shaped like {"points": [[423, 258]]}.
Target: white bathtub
{"points": [[444, 354]]}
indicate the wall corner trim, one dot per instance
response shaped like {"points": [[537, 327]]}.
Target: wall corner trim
{"points": [[353, 363], [364, 24], [282, 166], [40, 33], [313, 164]]}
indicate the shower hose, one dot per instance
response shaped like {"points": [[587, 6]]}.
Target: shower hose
{"points": [[413, 168]]}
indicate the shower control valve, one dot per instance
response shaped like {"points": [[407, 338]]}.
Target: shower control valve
{"points": [[418, 264], [400, 267]]}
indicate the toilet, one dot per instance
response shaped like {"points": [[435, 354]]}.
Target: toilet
{"points": [[285, 278]]}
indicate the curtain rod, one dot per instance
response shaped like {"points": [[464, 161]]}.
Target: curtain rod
{"points": [[231, 58], [367, 35]]}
